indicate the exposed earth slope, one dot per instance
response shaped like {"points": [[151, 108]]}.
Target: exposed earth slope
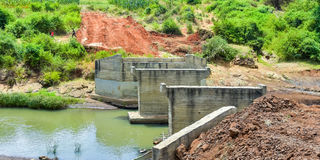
{"points": [[108, 33]]}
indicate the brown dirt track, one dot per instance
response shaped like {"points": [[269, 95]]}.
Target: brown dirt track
{"points": [[271, 128], [106, 33]]}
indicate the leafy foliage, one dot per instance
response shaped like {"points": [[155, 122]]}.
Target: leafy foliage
{"points": [[170, 27], [132, 4], [4, 18], [217, 47]]}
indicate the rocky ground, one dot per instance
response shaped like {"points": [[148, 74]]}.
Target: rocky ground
{"points": [[271, 128]]}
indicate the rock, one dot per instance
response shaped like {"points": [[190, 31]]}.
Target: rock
{"points": [[233, 130], [180, 151], [246, 62], [76, 94], [63, 90]]}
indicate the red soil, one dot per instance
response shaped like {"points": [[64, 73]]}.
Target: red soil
{"points": [[271, 128], [105, 33]]}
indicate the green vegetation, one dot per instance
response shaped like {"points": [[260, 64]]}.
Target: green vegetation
{"points": [[291, 34], [217, 47], [40, 100], [25, 39], [170, 27]]}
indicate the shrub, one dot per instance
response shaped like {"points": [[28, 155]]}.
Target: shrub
{"points": [[159, 9], [51, 78], [189, 28], [17, 28], [8, 44], [147, 10], [19, 11], [193, 2], [45, 42], [72, 21], [170, 27], [36, 7], [7, 61], [32, 56], [49, 6], [4, 18], [297, 44], [72, 50], [217, 47], [57, 24], [41, 22], [188, 14]]}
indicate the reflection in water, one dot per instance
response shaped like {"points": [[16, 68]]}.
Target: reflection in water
{"points": [[73, 134]]}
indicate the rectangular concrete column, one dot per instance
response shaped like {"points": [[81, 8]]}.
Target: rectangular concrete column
{"points": [[153, 103], [188, 104]]}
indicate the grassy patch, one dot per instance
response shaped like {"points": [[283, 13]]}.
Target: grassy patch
{"points": [[310, 64], [39, 100], [260, 60]]}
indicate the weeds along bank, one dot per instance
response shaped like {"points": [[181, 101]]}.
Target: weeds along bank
{"points": [[40, 100]]}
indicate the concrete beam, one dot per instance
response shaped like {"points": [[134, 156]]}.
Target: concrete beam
{"points": [[166, 149]]}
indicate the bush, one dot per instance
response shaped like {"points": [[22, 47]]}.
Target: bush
{"points": [[41, 22], [188, 14], [32, 56], [8, 44], [72, 21], [297, 44], [36, 7], [19, 11], [49, 6], [46, 23], [193, 2], [189, 28], [4, 18], [170, 27], [217, 47], [72, 50], [7, 61], [17, 28], [159, 9], [51, 78]]}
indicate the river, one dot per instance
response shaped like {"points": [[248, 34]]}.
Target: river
{"points": [[74, 134]]}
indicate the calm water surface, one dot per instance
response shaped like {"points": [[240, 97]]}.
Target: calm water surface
{"points": [[74, 134]]}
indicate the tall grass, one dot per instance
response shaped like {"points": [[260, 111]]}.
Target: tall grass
{"points": [[26, 2], [39, 100], [132, 4]]}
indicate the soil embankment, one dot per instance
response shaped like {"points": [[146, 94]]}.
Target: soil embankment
{"points": [[271, 128], [101, 32]]}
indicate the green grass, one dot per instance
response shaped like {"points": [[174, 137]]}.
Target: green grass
{"points": [[260, 60], [310, 64], [39, 100]]}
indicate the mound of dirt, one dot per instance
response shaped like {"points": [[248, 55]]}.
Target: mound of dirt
{"points": [[271, 128], [99, 32]]}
